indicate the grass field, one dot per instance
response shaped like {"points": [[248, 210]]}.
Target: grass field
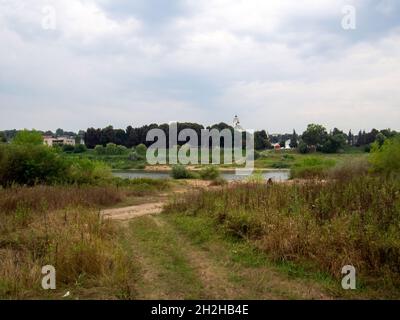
{"points": [[284, 159]]}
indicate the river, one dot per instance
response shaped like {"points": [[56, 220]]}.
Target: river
{"points": [[276, 175]]}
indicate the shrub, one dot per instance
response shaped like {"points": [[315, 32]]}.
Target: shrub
{"points": [[331, 224], [26, 137], [34, 164], [303, 148], [99, 149], [85, 171], [209, 173], [386, 158], [30, 164], [312, 168], [180, 172], [80, 148], [68, 148], [141, 150]]}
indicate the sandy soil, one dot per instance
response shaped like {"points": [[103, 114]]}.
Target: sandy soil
{"points": [[133, 211]]}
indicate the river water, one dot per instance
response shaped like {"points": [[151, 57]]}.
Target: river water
{"points": [[276, 175]]}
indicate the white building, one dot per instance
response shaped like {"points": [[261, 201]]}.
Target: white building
{"points": [[236, 124], [51, 141]]}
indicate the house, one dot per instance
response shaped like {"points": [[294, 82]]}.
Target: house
{"points": [[51, 141]]}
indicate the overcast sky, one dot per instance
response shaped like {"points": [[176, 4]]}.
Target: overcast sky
{"points": [[278, 64]]}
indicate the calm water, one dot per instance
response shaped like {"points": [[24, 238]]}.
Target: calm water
{"points": [[227, 175]]}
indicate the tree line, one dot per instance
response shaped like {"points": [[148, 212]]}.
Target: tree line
{"points": [[314, 138]]}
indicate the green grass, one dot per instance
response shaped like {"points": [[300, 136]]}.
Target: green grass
{"points": [[240, 255], [290, 158], [161, 247], [284, 159], [318, 226]]}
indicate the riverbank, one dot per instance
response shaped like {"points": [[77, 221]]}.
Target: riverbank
{"points": [[185, 240]]}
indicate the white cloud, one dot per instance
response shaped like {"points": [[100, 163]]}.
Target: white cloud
{"points": [[276, 59]]}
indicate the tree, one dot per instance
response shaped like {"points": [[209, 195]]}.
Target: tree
{"points": [[261, 141], [59, 132], [92, 137], [26, 137], [107, 135], [386, 158], [294, 140], [380, 138], [350, 138], [303, 148], [141, 150], [3, 137], [315, 135], [334, 143], [80, 148]]}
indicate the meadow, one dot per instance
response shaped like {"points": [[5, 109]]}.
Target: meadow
{"points": [[214, 240]]}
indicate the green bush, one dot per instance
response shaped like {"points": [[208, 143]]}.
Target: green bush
{"points": [[26, 137], [80, 148], [68, 148], [180, 172], [209, 173], [38, 164], [303, 148], [85, 171], [30, 164], [141, 149], [312, 168], [99, 149], [111, 149], [386, 158]]}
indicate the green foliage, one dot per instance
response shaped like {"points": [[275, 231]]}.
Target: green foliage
{"points": [[3, 137], [141, 150], [334, 143], [85, 171], [303, 148], [315, 135], [99, 149], [209, 173], [26, 137], [28, 164], [180, 172], [380, 138], [110, 149], [386, 158], [312, 167], [80, 148], [352, 220], [139, 153], [68, 148], [261, 141], [294, 140]]}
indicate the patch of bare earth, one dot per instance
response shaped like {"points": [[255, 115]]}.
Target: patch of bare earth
{"points": [[133, 211]]}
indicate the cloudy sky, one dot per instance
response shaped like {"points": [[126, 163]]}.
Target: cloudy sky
{"points": [[278, 64]]}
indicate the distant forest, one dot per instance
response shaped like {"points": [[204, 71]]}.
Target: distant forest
{"points": [[315, 136]]}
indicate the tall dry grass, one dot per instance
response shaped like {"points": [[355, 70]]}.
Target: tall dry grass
{"points": [[61, 226], [348, 220]]}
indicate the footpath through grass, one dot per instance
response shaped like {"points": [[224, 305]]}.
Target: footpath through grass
{"points": [[182, 257]]}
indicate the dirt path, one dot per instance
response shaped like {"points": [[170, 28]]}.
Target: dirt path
{"points": [[172, 265], [131, 212], [154, 205]]}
